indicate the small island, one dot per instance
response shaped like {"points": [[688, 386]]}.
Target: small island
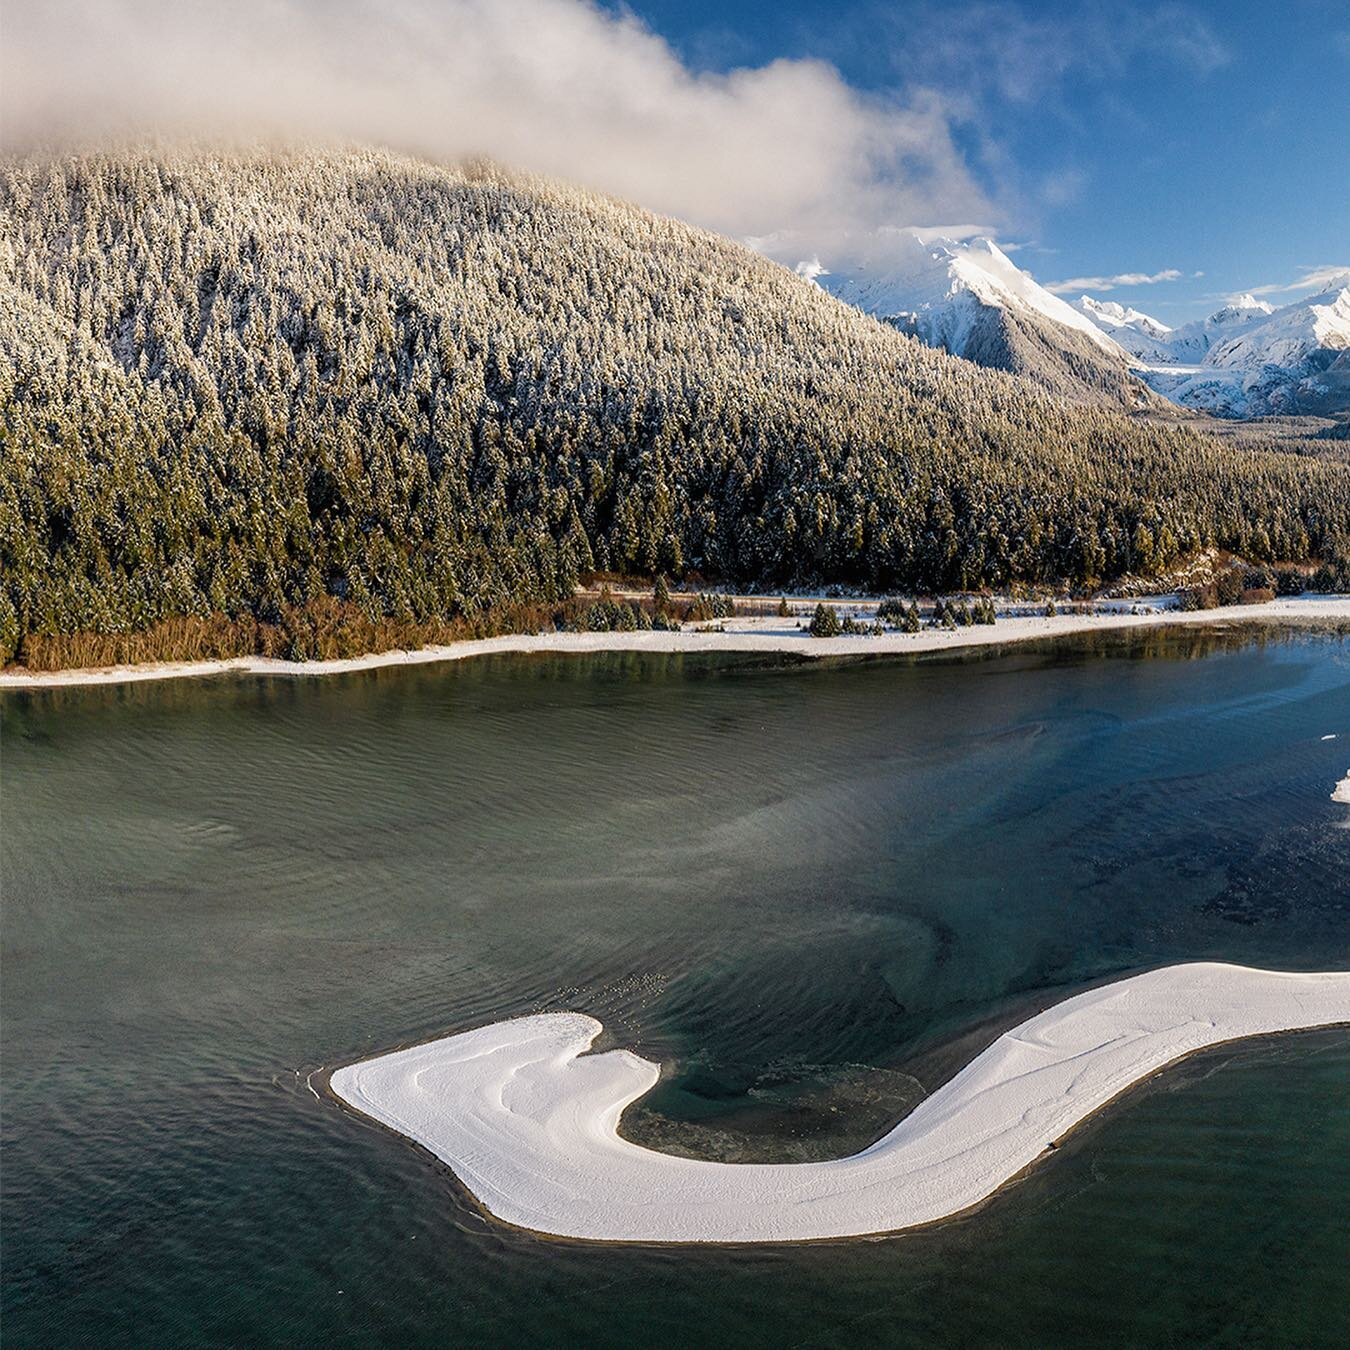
{"points": [[528, 1120]]}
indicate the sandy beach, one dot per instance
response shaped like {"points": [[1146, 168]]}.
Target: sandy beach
{"points": [[741, 634], [529, 1121]]}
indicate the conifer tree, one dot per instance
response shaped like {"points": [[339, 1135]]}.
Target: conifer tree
{"points": [[370, 398], [825, 622]]}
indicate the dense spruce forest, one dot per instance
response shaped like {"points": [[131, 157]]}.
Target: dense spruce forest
{"points": [[250, 396]]}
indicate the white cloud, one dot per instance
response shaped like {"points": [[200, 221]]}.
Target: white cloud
{"points": [[852, 249], [1111, 283], [1063, 188], [1312, 279], [557, 86]]}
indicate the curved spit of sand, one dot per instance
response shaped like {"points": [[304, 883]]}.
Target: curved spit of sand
{"points": [[528, 1121]]}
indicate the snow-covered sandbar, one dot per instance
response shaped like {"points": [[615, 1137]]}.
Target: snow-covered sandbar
{"points": [[765, 636], [529, 1121]]}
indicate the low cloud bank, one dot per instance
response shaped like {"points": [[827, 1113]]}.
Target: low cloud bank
{"points": [[557, 86]]}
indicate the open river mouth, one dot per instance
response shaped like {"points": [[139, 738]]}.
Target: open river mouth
{"points": [[811, 892]]}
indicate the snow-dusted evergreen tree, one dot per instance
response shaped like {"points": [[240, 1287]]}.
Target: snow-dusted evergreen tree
{"points": [[255, 385]]}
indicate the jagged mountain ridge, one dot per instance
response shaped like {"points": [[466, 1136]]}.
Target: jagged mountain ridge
{"points": [[1247, 359], [968, 298], [1139, 334]]}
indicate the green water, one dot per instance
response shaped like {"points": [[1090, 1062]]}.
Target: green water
{"points": [[811, 891]]}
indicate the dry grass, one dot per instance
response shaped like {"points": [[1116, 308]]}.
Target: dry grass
{"points": [[320, 631]]}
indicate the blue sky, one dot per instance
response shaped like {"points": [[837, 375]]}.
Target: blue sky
{"points": [[1101, 138], [1112, 138]]}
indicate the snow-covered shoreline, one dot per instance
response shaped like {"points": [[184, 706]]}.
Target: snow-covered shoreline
{"points": [[529, 1121], [747, 635], [1341, 792]]}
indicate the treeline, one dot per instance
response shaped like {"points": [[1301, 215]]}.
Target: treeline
{"points": [[256, 393]]}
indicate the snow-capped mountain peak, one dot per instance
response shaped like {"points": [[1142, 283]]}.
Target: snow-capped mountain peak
{"points": [[1290, 336], [1154, 343], [934, 284], [1242, 310], [1109, 315], [1144, 337], [1248, 358], [968, 297]]}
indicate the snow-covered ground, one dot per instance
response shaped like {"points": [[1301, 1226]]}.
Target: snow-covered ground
{"points": [[1017, 623], [1341, 792], [1204, 388], [529, 1121]]}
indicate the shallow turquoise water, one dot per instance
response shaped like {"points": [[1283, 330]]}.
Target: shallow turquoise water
{"points": [[812, 891]]}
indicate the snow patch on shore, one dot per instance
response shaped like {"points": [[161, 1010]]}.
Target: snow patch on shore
{"points": [[1341, 792], [529, 1121], [763, 636]]}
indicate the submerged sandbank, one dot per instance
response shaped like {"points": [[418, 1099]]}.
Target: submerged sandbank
{"points": [[529, 1121], [748, 635]]}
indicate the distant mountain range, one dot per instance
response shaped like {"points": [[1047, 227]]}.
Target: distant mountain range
{"points": [[968, 298], [1246, 360]]}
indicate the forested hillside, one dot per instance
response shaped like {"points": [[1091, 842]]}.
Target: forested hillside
{"points": [[256, 385]]}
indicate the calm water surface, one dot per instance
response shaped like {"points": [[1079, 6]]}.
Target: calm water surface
{"points": [[812, 892]]}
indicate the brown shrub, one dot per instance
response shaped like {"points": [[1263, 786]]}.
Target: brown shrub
{"points": [[1229, 585], [1198, 597], [321, 630]]}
